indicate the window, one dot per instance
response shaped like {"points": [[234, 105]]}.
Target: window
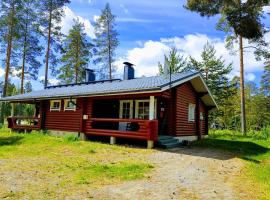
{"points": [[55, 105], [191, 112], [126, 109], [70, 104], [142, 109]]}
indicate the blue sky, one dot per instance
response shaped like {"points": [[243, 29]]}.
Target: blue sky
{"points": [[147, 30]]}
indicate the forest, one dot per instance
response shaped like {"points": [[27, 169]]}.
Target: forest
{"points": [[31, 38]]}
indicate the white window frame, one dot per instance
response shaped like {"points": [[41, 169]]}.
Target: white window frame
{"points": [[191, 112], [145, 100], [51, 105], [121, 108], [66, 103]]}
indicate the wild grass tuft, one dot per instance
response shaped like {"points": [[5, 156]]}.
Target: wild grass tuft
{"points": [[71, 138]]}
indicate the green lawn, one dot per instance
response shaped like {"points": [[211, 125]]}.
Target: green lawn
{"points": [[255, 152], [36, 165]]}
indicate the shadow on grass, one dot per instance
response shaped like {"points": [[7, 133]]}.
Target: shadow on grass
{"points": [[238, 147], [227, 149], [12, 140], [243, 149]]}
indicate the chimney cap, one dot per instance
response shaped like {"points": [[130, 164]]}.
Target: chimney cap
{"points": [[89, 70], [128, 64]]}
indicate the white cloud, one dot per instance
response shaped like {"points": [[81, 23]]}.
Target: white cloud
{"points": [[146, 57], [266, 9], [52, 81], [95, 18], [124, 8], [67, 22], [2, 72], [250, 77]]}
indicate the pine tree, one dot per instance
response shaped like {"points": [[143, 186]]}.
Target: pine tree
{"points": [[240, 20], [174, 61], [30, 43], [265, 82], [215, 72], [76, 54], [10, 15], [52, 14], [213, 69], [106, 42]]}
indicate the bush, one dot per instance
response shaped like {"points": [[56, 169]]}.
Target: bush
{"points": [[71, 138]]}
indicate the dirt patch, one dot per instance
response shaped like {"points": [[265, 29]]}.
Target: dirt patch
{"points": [[178, 174], [184, 174]]}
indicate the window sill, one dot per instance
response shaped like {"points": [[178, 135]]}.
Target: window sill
{"points": [[70, 109], [55, 110]]}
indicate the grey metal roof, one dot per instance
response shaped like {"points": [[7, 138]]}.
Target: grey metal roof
{"points": [[144, 84]]}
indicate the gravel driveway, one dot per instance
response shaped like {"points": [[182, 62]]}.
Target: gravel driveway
{"points": [[184, 174]]}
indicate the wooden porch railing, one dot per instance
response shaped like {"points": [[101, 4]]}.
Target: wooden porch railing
{"points": [[145, 129], [33, 123]]}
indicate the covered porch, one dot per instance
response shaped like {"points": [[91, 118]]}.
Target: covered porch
{"points": [[23, 123], [131, 117]]}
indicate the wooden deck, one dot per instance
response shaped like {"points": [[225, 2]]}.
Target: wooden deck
{"points": [[145, 129], [32, 123], [123, 128]]}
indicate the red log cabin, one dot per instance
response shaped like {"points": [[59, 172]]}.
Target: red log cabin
{"points": [[161, 110]]}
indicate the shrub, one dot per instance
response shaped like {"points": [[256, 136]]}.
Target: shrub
{"points": [[71, 138]]}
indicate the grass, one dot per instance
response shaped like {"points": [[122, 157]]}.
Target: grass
{"points": [[253, 148], [37, 165]]}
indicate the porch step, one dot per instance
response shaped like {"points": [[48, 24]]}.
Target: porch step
{"points": [[168, 142]]}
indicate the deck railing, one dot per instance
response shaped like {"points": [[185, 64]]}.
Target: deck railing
{"points": [[24, 123], [124, 128]]}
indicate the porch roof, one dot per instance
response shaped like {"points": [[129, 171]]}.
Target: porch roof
{"points": [[117, 87]]}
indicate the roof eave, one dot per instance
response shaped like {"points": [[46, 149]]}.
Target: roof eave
{"points": [[150, 90]]}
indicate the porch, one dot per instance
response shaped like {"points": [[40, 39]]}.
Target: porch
{"points": [[25, 124], [127, 117]]}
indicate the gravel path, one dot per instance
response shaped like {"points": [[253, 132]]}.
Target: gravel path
{"points": [[184, 174]]}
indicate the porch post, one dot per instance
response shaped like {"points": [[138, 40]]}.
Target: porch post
{"points": [[12, 109], [152, 108], [150, 143], [112, 140]]}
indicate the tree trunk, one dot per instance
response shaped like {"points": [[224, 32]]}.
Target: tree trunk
{"points": [[24, 57], [109, 49], [9, 48], [48, 48], [242, 87], [77, 61]]}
